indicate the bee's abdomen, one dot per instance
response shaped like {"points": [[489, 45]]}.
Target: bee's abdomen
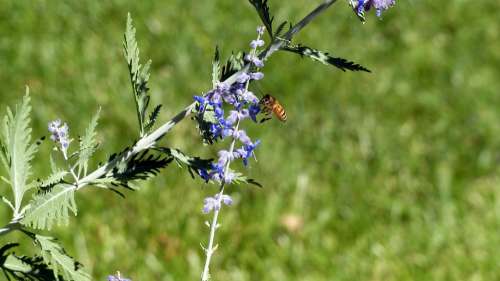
{"points": [[280, 112]]}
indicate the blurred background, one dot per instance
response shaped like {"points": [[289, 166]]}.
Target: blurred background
{"points": [[392, 175]]}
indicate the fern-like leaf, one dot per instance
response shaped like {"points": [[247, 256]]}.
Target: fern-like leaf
{"points": [[234, 64], [139, 75], [264, 14], [139, 167], [324, 58], [51, 207], [17, 150], [25, 268], [59, 261], [88, 145], [280, 29], [152, 118], [52, 180], [239, 178]]}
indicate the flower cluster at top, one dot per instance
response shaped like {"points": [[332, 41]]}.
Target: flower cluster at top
{"points": [[379, 5], [60, 135], [226, 123]]}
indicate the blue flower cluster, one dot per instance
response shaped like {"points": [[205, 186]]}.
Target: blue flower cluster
{"points": [[379, 5], [60, 135], [243, 104]]}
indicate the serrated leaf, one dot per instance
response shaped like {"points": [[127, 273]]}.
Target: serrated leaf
{"points": [[324, 58], [139, 167], [216, 68], [15, 264], [280, 29], [4, 154], [264, 14], [52, 207], [88, 145], [139, 76], [59, 261], [153, 116], [17, 150], [239, 178], [234, 64], [53, 179], [28, 268]]}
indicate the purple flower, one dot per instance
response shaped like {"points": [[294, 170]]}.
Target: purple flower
{"points": [[226, 199], [204, 175], [214, 203], [202, 102], [229, 177], [256, 43], [243, 77], [60, 134], [248, 149], [224, 157], [242, 136], [253, 110], [260, 30], [379, 5], [256, 75], [255, 60]]}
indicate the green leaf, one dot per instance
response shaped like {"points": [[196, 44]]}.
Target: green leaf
{"points": [[240, 178], [88, 145], [264, 14], [324, 57], [216, 67], [15, 264], [17, 151], [139, 75], [59, 261], [28, 268], [152, 118], [53, 180], [52, 207], [139, 167], [234, 64], [280, 29]]}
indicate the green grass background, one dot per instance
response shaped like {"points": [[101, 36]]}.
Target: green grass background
{"points": [[394, 174]]}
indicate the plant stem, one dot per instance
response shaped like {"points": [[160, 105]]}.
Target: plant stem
{"points": [[214, 225]]}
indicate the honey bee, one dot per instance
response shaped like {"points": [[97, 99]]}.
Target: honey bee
{"points": [[270, 104]]}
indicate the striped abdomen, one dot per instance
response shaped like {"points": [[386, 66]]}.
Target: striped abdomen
{"points": [[270, 104]]}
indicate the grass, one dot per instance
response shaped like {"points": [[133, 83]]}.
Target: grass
{"points": [[392, 175]]}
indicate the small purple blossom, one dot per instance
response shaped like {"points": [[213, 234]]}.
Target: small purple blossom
{"points": [[260, 30], [214, 203], [253, 110], [256, 75], [378, 5], [254, 60], [256, 43], [60, 134], [244, 77]]}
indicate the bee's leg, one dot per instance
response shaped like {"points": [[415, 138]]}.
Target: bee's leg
{"points": [[265, 119]]}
